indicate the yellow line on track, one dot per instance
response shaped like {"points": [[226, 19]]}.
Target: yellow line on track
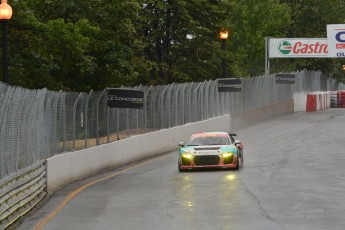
{"points": [[70, 196]]}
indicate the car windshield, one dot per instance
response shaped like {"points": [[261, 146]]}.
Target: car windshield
{"points": [[208, 140]]}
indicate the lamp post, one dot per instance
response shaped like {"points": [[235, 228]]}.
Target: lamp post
{"points": [[5, 16], [223, 37]]}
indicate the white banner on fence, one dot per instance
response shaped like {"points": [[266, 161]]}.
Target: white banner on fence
{"points": [[298, 48], [336, 40]]}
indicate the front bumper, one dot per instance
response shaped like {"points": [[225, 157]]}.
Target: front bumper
{"points": [[211, 161]]}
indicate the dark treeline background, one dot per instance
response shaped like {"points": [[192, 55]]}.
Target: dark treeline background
{"points": [[79, 45]]}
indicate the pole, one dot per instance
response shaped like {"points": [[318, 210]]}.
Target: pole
{"points": [[267, 60], [5, 51], [223, 59]]}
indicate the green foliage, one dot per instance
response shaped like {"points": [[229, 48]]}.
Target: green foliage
{"points": [[73, 45], [179, 39], [309, 19], [80, 45], [252, 22]]}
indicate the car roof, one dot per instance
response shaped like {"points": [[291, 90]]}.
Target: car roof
{"points": [[201, 134]]}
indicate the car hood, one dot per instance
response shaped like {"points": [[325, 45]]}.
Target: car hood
{"points": [[216, 149]]}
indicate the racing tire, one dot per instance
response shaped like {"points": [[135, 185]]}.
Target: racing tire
{"points": [[179, 168], [242, 159], [238, 163]]}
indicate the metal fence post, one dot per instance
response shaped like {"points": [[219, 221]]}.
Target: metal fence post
{"points": [[145, 107], [176, 103], [97, 115], [86, 119], [154, 110], [207, 115], [169, 105], [201, 102], [118, 123], [108, 123], [74, 117], [138, 114], [162, 106], [127, 122], [190, 100], [196, 102], [183, 103], [64, 125]]}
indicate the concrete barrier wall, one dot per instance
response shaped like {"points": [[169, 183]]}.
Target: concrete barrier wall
{"points": [[66, 168], [254, 116]]}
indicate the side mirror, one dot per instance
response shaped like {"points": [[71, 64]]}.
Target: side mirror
{"points": [[238, 143], [181, 144]]}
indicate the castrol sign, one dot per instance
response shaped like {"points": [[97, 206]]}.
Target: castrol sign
{"points": [[298, 48]]}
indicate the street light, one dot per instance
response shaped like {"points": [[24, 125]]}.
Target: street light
{"points": [[223, 37], [5, 16]]}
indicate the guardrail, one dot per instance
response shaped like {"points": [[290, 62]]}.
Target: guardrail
{"points": [[21, 192]]}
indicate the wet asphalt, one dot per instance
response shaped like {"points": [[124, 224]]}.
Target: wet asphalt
{"points": [[293, 177]]}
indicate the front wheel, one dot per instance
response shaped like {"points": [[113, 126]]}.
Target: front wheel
{"points": [[179, 167]]}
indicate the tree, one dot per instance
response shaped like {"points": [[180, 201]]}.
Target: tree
{"points": [[252, 21], [74, 45], [309, 19], [81, 45], [179, 38]]}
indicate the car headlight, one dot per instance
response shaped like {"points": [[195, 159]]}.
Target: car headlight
{"points": [[187, 155], [227, 154]]}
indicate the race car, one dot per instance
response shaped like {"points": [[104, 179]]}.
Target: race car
{"points": [[210, 150]]}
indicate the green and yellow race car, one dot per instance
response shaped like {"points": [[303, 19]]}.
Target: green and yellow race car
{"points": [[210, 150]]}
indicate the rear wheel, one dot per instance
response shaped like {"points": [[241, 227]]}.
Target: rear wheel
{"points": [[242, 159], [238, 162]]}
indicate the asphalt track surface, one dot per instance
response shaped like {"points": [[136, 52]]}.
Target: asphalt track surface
{"points": [[293, 178]]}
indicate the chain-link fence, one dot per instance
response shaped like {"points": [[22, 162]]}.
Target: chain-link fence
{"points": [[37, 124]]}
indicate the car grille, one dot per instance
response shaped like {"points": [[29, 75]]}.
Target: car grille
{"points": [[206, 148], [206, 160]]}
